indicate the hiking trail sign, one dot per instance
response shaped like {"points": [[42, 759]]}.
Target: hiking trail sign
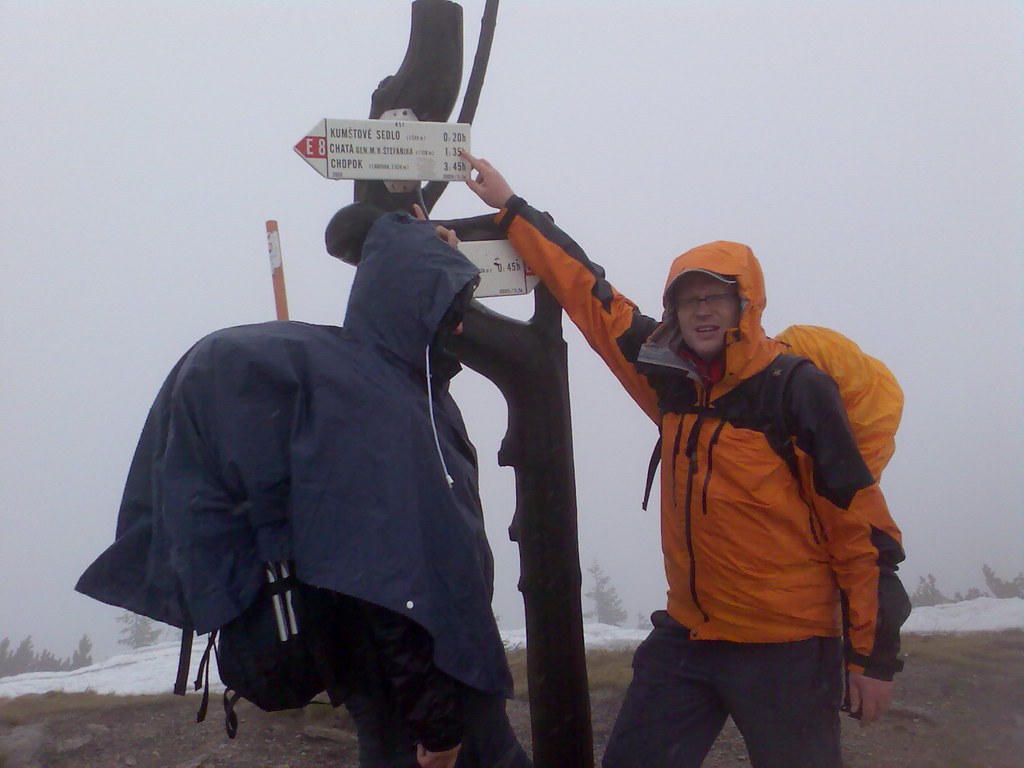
{"points": [[387, 150], [414, 151], [502, 270]]}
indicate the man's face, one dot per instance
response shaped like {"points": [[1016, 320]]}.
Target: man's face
{"points": [[704, 323]]}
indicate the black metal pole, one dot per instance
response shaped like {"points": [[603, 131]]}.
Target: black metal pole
{"points": [[488, 23], [527, 361]]}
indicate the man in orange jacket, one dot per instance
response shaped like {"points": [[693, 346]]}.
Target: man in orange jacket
{"points": [[778, 542]]}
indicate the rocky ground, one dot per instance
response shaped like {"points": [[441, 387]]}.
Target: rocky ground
{"points": [[960, 704]]}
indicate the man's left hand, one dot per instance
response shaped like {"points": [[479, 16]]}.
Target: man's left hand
{"points": [[428, 759], [448, 235], [869, 696]]}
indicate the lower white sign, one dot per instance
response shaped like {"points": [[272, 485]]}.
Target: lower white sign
{"points": [[502, 270]]}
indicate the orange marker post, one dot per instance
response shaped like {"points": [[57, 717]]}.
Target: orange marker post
{"points": [[277, 270]]}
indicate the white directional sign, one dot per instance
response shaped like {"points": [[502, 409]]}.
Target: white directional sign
{"points": [[387, 150], [502, 271]]}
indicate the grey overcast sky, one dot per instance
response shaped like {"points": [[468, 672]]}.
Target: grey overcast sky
{"points": [[869, 152]]}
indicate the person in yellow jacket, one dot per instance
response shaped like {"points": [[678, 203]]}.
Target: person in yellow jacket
{"points": [[778, 543]]}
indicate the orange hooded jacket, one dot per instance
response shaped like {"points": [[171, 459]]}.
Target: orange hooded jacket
{"points": [[773, 529]]}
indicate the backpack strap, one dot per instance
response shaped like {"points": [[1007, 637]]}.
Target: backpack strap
{"points": [[783, 368], [184, 660], [230, 697], [652, 467], [203, 677], [230, 717]]}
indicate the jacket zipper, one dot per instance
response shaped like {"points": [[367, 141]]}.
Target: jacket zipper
{"points": [[691, 455], [707, 475]]}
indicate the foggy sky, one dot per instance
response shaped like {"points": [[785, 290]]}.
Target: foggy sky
{"points": [[869, 152]]}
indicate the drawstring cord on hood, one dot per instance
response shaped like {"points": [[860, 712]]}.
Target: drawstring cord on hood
{"points": [[433, 425]]}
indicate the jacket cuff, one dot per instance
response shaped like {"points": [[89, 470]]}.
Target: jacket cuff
{"points": [[879, 669], [508, 212], [442, 742]]}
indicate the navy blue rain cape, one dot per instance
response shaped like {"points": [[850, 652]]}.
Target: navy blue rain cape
{"points": [[290, 441]]}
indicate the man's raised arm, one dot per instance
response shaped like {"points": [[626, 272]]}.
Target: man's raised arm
{"points": [[611, 323]]}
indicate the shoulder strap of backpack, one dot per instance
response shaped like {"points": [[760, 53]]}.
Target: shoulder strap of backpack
{"points": [[652, 466], [781, 370], [184, 660], [203, 677]]}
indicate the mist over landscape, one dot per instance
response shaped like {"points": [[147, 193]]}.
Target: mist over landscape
{"points": [[870, 154]]}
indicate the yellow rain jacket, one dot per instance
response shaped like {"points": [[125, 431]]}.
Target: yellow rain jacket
{"points": [[773, 528]]}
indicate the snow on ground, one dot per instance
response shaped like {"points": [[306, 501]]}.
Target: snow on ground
{"points": [[152, 670], [145, 671], [983, 614], [602, 636]]}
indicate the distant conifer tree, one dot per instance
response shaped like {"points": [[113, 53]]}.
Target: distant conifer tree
{"points": [[48, 662], [82, 657], [24, 657], [138, 631], [927, 593], [607, 605], [5, 657], [1000, 588]]}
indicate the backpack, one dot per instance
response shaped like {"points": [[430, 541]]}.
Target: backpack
{"points": [[270, 654], [869, 391]]}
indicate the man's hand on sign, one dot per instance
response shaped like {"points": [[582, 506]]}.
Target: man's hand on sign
{"points": [[489, 185], [448, 235]]}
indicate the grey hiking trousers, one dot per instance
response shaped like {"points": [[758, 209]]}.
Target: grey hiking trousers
{"points": [[385, 738], [783, 697]]}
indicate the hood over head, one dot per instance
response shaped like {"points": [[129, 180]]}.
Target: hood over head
{"points": [[405, 284], [747, 348]]}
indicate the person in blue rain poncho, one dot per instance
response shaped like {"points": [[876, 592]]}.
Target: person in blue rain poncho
{"points": [[340, 450]]}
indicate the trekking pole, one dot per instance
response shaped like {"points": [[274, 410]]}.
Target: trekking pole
{"points": [[282, 629], [293, 625], [277, 270]]}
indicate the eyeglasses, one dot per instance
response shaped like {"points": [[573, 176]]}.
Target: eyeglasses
{"points": [[713, 301]]}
